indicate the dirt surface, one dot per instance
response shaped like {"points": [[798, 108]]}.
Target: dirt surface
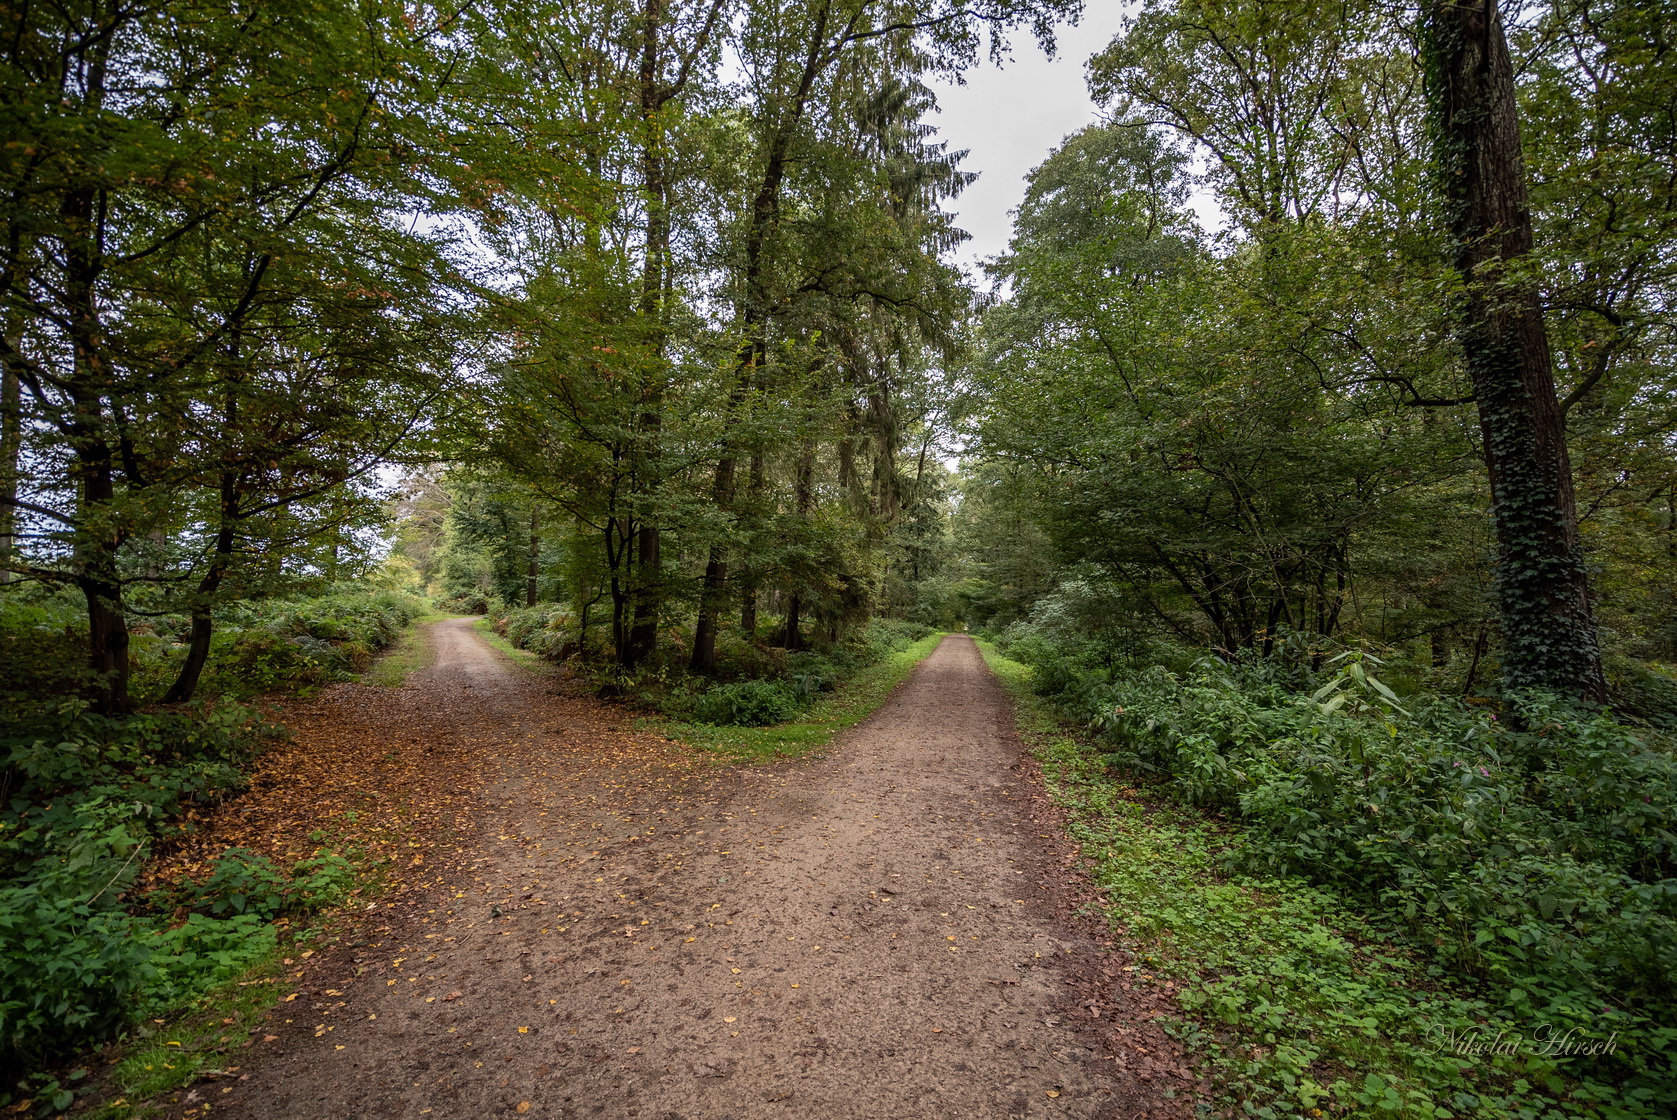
{"points": [[616, 927]]}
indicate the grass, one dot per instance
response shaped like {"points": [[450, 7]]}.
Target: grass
{"points": [[857, 698], [521, 657], [408, 654], [202, 1040], [1300, 1004]]}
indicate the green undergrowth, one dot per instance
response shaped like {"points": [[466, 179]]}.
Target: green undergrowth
{"points": [[291, 645], [857, 697], [521, 657], [205, 1039], [1303, 1000], [408, 653]]}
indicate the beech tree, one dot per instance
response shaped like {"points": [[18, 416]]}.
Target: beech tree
{"points": [[206, 283]]}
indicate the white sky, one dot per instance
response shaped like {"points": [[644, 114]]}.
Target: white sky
{"points": [[1010, 118]]}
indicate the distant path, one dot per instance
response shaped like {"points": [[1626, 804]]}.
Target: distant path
{"points": [[875, 934]]}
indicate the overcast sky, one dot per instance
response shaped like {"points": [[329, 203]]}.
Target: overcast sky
{"points": [[1010, 118]]}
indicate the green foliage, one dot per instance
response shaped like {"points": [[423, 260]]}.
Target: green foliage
{"points": [[287, 645], [270, 645], [241, 882], [87, 794], [1534, 868], [199, 954], [746, 704], [467, 602], [548, 630], [80, 957], [856, 696]]}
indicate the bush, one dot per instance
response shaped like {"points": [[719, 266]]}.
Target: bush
{"points": [[88, 795], [746, 704], [1540, 861], [547, 630], [468, 602], [241, 882], [1647, 691], [293, 644]]}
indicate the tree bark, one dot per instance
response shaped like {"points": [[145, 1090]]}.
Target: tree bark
{"points": [[11, 446], [532, 568], [203, 620], [1548, 632], [750, 578], [642, 639], [803, 499]]}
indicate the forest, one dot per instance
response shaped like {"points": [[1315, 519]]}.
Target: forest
{"points": [[1340, 530]]}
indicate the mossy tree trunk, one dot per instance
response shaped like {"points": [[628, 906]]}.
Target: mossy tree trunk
{"points": [[1549, 637]]}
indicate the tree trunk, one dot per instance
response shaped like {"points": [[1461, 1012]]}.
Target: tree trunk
{"points": [[803, 500], [749, 579], [643, 635], [1548, 633], [203, 621], [11, 445], [532, 568], [642, 639]]}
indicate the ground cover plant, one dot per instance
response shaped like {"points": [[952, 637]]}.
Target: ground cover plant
{"points": [[1358, 889], [855, 696], [763, 702], [88, 799]]}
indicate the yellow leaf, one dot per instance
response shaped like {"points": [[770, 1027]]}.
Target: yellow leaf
{"points": [[1053, 1092], [523, 1106], [730, 1018], [523, 1030]]}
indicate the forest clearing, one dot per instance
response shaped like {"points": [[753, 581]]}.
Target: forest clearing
{"points": [[575, 559]]}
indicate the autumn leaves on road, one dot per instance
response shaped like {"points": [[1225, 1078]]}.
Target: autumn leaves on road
{"points": [[590, 920]]}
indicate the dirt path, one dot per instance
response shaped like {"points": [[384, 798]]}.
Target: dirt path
{"points": [[878, 933]]}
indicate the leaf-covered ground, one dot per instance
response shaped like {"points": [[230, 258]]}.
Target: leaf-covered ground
{"points": [[583, 918]]}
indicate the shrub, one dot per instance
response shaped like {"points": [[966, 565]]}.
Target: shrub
{"points": [[746, 704], [241, 882], [1541, 861], [468, 602], [88, 794], [292, 644], [189, 959], [547, 630]]}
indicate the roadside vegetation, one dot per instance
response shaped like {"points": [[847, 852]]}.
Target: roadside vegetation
{"points": [[1313, 441], [91, 944], [763, 701], [1375, 905]]}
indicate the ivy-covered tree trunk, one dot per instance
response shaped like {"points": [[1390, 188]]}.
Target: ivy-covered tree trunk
{"points": [[1549, 638]]}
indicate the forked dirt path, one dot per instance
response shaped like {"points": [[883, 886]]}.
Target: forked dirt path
{"points": [[880, 933]]}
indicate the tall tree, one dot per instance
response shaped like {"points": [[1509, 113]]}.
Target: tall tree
{"points": [[201, 204], [1543, 596]]}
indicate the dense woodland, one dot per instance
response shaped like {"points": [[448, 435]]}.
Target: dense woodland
{"points": [[636, 326]]}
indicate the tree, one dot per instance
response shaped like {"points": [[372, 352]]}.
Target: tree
{"points": [[1543, 597], [202, 222]]}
